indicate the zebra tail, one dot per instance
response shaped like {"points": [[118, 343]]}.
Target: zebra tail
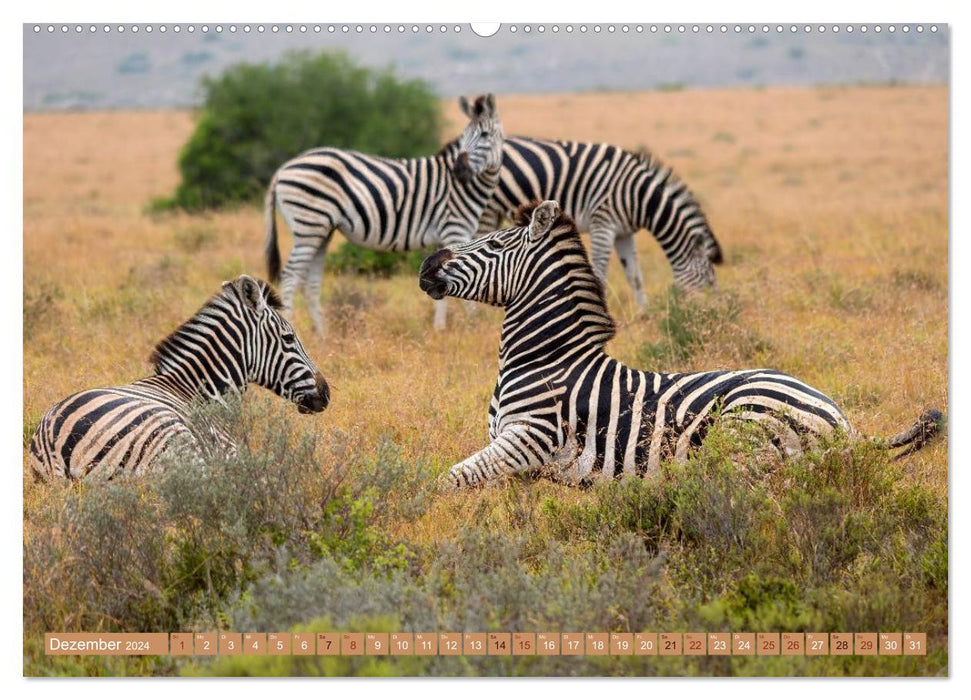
{"points": [[930, 423], [272, 250]]}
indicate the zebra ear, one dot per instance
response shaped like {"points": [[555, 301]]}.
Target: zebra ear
{"points": [[490, 103], [543, 217], [464, 106], [251, 292]]}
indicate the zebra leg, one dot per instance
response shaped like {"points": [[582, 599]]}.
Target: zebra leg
{"points": [[627, 252], [295, 272], [602, 242], [312, 284], [511, 452], [441, 313]]}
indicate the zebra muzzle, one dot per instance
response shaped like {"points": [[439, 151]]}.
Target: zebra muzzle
{"points": [[431, 277], [462, 170], [317, 401]]}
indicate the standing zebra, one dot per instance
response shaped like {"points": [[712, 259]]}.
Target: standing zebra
{"points": [[238, 337], [381, 203], [612, 193], [562, 402]]}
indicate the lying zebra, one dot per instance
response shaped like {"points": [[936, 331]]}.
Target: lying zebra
{"points": [[381, 203], [562, 402], [236, 338]]}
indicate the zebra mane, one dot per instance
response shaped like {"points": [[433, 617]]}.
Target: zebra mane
{"points": [[479, 104], [272, 299], [645, 156], [168, 346], [671, 181], [448, 147], [568, 235]]}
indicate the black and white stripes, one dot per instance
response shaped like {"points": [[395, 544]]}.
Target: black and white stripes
{"points": [[561, 402], [381, 203], [238, 337], [612, 193]]}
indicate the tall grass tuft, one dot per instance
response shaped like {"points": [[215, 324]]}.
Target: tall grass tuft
{"points": [[687, 323]]}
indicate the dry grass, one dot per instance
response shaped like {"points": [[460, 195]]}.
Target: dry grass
{"points": [[831, 205]]}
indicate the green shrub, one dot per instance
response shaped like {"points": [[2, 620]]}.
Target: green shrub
{"points": [[173, 549], [377, 263], [256, 117], [297, 534], [478, 580], [154, 553]]}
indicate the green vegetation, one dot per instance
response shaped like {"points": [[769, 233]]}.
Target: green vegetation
{"points": [[734, 539], [350, 258], [256, 117], [687, 322]]}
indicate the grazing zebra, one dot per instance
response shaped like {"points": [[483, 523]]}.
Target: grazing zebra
{"points": [[236, 338], [562, 403], [381, 203], [612, 193]]}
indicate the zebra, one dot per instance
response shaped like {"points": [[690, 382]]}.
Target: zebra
{"points": [[562, 405], [237, 337], [612, 193], [381, 203]]}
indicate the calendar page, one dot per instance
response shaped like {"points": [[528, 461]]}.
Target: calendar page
{"points": [[546, 349]]}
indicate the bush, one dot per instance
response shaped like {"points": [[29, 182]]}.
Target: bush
{"points": [[256, 117], [173, 549], [155, 553], [295, 533], [350, 258]]}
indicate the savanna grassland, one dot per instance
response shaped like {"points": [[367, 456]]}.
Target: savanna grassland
{"points": [[831, 206]]}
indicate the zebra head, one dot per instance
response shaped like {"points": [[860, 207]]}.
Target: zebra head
{"points": [[480, 145], [692, 264], [273, 356], [683, 225], [499, 267]]}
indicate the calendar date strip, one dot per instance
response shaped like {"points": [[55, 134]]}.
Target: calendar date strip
{"points": [[487, 644]]}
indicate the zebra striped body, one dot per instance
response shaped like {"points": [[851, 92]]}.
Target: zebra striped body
{"points": [[238, 337], [381, 203], [613, 420], [561, 402], [99, 432], [612, 193]]}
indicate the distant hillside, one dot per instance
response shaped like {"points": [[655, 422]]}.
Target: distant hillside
{"points": [[98, 70]]}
